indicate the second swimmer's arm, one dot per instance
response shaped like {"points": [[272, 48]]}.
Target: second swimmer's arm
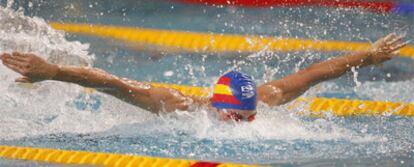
{"points": [[290, 87]]}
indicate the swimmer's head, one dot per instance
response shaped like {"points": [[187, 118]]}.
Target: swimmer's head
{"points": [[235, 93]]}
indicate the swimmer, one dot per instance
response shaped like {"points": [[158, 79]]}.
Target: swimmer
{"points": [[235, 94]]}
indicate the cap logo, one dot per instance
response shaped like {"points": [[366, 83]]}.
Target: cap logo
{"points": [[247, 91]]}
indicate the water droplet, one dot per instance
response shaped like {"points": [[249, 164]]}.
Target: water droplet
{"points": [[168, 73]]}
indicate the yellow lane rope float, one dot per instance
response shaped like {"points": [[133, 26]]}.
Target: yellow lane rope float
{"points": [[214, 43], [100, 159], [323, 106], [343, 107]]}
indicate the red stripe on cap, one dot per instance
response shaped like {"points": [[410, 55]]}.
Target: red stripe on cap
{"points": [[224, 80], [205, 164], [218, 98]]}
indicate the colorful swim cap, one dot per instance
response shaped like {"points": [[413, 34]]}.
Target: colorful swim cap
{"points": [[235, 90]]}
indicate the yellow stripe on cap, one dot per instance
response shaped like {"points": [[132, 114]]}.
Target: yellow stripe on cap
{"points": [[223, 90]]}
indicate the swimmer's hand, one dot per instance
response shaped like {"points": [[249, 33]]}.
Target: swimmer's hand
{"points": [[32, 67], [386, 48]]}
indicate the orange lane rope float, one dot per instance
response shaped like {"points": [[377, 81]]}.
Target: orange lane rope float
{"points": [[214, 43], [100, 159]]}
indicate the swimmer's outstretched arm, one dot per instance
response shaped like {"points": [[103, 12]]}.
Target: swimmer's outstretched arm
{"points": [[35, 69], [281, 91]]}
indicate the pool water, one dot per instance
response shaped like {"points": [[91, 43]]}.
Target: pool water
{"points": [[66, 116]]}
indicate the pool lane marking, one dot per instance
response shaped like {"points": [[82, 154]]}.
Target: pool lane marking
{"points": [[57, 156], [169, 40]]}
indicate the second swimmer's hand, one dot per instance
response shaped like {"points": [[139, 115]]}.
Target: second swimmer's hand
{"points": [[32, 67], [386, 48]]}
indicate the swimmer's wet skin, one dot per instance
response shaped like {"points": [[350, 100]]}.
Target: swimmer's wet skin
{"points": [[235, 95]]}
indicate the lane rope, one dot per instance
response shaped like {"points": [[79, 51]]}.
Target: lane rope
{"points": [[215, 43], [56, 156], [381, 6], [321, 107], [373, 6]]}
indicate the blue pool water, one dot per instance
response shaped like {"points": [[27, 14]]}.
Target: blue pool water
{"points": [[64, 116]]}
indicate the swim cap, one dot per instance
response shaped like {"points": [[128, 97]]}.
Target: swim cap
{"points": [[235, 90]]}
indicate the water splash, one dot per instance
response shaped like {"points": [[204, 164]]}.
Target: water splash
{"points": [[50, 114], [33, 35], [26, 109]]}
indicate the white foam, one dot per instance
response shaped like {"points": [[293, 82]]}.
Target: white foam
{"points": [[23, 109], [276, 123]]}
